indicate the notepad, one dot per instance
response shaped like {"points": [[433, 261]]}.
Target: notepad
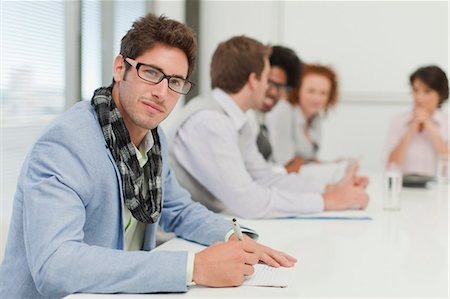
{"points": [[267, 276]]}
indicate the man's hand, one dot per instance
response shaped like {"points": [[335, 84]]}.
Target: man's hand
{"points": [[361, 181], [266, 254], [227, 264], [223, 265], [345, 197], [348, 193], [351, 176]]}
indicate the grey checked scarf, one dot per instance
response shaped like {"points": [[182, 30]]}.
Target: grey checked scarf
{"points": [[117, 138]]}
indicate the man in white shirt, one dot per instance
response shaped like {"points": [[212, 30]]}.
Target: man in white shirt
{"points": [[214, 153], [284, 75]]}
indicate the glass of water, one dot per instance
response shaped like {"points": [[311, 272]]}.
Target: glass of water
{"points": [[392, 190], [443, 170]]}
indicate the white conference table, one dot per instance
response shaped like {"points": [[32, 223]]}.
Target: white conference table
{"points": [[396, 254]]}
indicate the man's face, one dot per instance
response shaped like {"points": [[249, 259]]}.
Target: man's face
{"points": [[262, 86], [145, 105], [276, 88]]}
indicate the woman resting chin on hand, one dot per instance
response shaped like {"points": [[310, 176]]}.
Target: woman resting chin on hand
{"points": [[416, 139]]}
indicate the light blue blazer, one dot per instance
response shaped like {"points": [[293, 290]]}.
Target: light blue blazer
{"points": [[66, 233]]}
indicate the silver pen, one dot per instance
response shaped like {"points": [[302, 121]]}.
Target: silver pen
{"points": [[237, 230]]}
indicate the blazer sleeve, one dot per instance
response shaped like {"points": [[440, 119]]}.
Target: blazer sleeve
{"points": [[58, 184]]}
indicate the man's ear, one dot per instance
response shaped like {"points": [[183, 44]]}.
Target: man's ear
{"points": [[119, 68], [252, 81]]}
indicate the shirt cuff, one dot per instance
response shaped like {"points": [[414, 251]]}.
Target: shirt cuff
{"points": [[190, 269], [279, 169]]}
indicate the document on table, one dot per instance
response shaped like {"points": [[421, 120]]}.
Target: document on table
{"points": [[267, 276], [337, 215]]}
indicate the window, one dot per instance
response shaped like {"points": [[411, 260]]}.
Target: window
{"points": [[32, 74], [91, 48], [125, 13], [101, 34]]}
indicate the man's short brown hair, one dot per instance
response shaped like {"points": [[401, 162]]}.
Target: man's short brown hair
{"points": [[234, 60], [150, 30]]}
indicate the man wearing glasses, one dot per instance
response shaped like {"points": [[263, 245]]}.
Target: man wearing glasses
{"points": [[285, 67], [96, 185], [214, 153]]}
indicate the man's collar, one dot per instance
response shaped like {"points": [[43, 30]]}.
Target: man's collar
{"points": [[148, 142], [231, 108], [145, 146]]}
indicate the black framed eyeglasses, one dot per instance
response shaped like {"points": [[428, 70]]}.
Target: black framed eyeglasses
{"points": [[154, 75], [281, 89]]}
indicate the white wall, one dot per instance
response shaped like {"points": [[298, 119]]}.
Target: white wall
{"points": [[174, 9], [373, 46], [221, 20]]}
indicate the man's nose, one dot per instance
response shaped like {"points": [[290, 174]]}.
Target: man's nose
{"points": [[272, 92], [160, 89]]}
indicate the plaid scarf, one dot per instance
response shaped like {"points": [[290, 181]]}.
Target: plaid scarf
{"points": [[117, 138]]}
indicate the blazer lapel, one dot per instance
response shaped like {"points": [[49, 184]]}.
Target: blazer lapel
{"points": [[121, 238]]}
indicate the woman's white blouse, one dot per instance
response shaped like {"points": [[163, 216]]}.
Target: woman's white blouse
{"points": [[286, 124]]}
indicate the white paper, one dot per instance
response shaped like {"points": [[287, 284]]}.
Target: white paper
{"points": [[347, 214], [267, 276]]}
